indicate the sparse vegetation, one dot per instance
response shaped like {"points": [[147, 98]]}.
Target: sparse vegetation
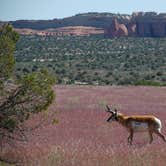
{"points": [[95, 60]]}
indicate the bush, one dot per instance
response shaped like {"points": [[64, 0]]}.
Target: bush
{"points": [[148, 83]]}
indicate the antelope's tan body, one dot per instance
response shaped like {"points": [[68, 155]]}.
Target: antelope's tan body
{"points": [[140, 123], [137, 123]]}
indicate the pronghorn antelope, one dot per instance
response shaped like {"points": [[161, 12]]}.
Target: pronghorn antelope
{"points": [[137, 123]]}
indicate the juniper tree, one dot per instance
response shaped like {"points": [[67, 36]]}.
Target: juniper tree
{"points": [[19, 98]]}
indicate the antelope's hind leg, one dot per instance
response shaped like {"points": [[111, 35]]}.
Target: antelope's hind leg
{"points": [[158, 132]]}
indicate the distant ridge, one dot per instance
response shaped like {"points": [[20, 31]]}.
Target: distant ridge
{"points": [[99, 20], [141, 24]]}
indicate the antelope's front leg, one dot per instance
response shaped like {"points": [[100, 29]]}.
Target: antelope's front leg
{"points": [[151, 136], [130, 138]]}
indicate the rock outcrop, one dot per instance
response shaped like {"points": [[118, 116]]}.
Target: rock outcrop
{"points": [[151, 29], [149, 24], [132, 29], [116, 30]]}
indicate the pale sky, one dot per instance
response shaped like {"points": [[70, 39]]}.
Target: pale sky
{"points": [[50, 9]]}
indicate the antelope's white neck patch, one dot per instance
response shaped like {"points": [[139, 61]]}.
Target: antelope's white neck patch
{"points": [[139, 126]]}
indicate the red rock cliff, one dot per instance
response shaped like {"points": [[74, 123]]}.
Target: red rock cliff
{"points": [[149, 24]]}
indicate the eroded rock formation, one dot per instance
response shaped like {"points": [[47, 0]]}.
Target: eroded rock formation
{"points": [[131, 27], [149, 24], [116, 30]]}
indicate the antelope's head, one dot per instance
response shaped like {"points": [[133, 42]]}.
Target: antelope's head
{"points": [[114, 114]]}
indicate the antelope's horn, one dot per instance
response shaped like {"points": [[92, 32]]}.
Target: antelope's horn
{"points": [[109, 110]]}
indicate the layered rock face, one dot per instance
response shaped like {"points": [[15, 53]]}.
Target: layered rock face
{"points": [[151, 29], [141, 24]]}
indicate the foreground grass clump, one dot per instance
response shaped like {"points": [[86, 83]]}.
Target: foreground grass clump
{"points": [[117, 156]]}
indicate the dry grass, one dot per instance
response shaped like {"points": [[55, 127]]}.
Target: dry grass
{"points": [[83, 137]]}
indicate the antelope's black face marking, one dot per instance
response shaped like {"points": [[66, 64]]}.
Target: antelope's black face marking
{"points": [[113, 117], [109, 119]]}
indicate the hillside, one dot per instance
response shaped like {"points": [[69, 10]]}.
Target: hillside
{"points": [[99, 20], [94, 60]]}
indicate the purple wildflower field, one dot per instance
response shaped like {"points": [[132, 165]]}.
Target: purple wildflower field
{"points": [[80, 135]]}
